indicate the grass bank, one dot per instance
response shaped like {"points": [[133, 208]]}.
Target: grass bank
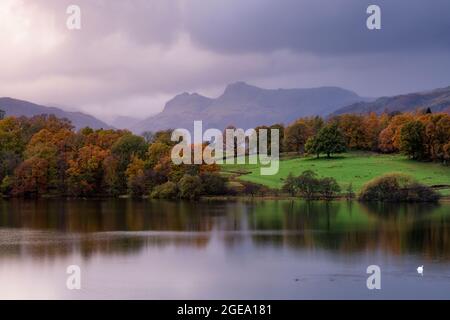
{"points": [[356, 168]]}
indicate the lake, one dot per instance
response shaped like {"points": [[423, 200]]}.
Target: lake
{"points": [[262, 249]]}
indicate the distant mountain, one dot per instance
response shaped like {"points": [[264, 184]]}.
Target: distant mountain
{"points": [[123, 122], [14, 107], [247, 106], [437, 100]]}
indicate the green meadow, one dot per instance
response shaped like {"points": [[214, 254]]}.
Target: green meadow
{"points": [[356, 168]]}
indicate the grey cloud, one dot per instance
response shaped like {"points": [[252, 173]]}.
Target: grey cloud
{"points": [[131, 55], [318, 27], [143, 21]]}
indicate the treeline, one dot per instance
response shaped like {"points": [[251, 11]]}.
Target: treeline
{"points": [[421, 136], [43, 155]]}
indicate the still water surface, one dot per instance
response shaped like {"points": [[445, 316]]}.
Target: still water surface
{"points": [[141, 249]]}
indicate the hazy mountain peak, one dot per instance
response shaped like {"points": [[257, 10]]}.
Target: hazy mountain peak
{"points": [[240, 88], [247, 106], [186, 101], [438, 100], [15, 107]]}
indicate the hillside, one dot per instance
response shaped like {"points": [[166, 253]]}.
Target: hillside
{"points": [[247, 106], [356, 168], [437, 100], [14, 107]]}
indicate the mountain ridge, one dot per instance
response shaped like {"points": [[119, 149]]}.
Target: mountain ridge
{"points": [[438, 100], [16, 107], [247, 106]]}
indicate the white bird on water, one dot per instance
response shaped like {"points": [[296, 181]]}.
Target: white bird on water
{"points": [[420, 270]]}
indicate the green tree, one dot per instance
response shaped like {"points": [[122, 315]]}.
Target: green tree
{"points": [[124, 149], [12, 145], [312, 146], [412, 139], [329, 140]]}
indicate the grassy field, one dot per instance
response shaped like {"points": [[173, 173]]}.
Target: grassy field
{"points": [[355, 168]]}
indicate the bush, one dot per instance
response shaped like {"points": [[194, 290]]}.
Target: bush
{"points": [[190, 187], [213, 184], [328, 187], [6, 186], [290, 185], [254, 189], [167, 190], [308, 184], [349, 193], [397, 188]]}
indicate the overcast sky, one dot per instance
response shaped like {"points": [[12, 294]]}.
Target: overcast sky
{"points": [[131, 56]]}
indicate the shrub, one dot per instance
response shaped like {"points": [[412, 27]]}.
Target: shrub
{"points": [[396, 187], [254, 189], [190, 187], [349, 193], [167, 190], [290, 185], [213, 184], [6, 186], [308, 184], [328, 188], [420, 193]]}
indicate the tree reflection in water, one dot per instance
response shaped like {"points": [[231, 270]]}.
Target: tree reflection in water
{"points": [[124, 226]]}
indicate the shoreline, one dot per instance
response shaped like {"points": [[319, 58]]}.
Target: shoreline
{"points": [[443, 199]]}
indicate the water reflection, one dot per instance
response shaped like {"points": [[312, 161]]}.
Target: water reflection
{"points": [[50, 228]]}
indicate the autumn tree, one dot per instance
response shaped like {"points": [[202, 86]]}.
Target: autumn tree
{"points": [[373, 125], [437, 134], [31, 177], [353, 130], [390, 136], [86, 171], [296, 135], [42, 151]]}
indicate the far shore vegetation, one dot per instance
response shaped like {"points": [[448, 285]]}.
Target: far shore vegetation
{"points": [[389, 157]]}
